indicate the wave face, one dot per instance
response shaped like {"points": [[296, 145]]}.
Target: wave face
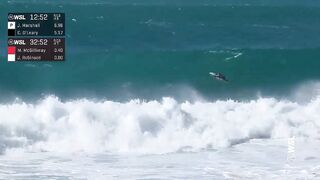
{"points": [[154, 127]]}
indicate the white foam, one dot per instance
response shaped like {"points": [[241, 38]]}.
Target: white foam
{"points": [[151, 127]]}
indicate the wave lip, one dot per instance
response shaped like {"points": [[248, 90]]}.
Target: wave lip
{"points": [[154, 127]]}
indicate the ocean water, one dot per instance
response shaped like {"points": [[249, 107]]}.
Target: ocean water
{"points": [[134, 99]]}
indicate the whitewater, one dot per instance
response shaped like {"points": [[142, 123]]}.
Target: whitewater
{"points": [[160, 139], [152, 127]]}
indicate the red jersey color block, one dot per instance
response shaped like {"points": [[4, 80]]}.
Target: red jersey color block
{"points": [[11, 50]]}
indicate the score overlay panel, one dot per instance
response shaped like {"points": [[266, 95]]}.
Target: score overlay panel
{"points": [[36, 49], [36, 37], [36, 24]]}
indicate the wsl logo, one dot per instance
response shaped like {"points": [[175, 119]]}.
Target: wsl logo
{"points": [[12, 42], [13, 17], [291, 149], [19, 42]]}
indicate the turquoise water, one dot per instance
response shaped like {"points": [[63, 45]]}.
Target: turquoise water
{"points": [[135, 49], [134, 99]]}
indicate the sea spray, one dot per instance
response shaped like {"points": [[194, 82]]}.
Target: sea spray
{"points": [[154, 127]]}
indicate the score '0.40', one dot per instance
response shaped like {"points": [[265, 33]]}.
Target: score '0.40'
{"points": [[58, 50]]}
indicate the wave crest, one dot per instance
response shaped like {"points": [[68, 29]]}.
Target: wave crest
{"points": [[141, 126]]}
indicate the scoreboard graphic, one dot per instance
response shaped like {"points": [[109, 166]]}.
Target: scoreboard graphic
{"points": [[36, 37]]}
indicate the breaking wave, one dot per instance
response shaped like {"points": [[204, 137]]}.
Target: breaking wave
{"points": [[158, 127]]}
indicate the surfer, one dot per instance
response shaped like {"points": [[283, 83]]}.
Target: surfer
{"points": [[219, 76]]}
